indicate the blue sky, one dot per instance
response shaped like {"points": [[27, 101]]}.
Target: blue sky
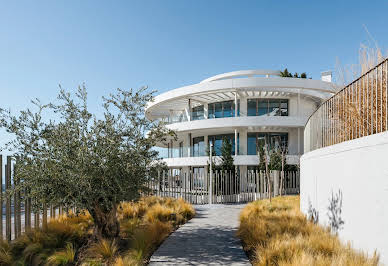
{"points": [[166, 44]]}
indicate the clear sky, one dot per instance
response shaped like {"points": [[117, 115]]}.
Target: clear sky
{"points": [[166, 44]]}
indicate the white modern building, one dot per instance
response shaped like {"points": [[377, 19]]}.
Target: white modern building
{"points": [[244, 106]]}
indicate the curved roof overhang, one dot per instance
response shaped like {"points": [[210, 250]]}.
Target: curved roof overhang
{"points": [[224, 89], [243, 73]]}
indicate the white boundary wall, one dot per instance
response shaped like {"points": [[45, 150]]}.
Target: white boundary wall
{"points": [[360, 169]]}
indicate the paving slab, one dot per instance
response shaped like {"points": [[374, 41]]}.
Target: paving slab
{"points": [[207, 239]]}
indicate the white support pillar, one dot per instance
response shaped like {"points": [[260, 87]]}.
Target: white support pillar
{"points": [[188, 110], [206, 110], [235, 104], [189, 144], [235, 142]]}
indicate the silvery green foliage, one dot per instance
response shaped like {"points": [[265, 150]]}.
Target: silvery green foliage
{"points": [[334, 212], [67, 156], [312, 214]]}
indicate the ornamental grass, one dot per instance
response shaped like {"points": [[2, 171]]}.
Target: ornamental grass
{"points": [[277, 233], [67, 239]]}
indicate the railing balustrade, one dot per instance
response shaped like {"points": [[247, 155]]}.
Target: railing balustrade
{"points": [[359, 109], [227, 186]]}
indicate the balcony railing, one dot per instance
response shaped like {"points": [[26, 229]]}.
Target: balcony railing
{"points": [[359, 109]]}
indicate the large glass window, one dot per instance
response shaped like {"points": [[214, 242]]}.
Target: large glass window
{"points": [[252, 107], [274, 140], [217, 143], [251, 143], [270, 107], [223, 109], [197, 113], [198, 147]]}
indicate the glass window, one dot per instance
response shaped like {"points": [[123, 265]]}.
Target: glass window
{"points": [[284, 107], [211, 110], [270, 107], [217, 142], [262, 107], [227, 108], [251, 144], [197, 113], [180, 149], [218, 110], [274, 140], [252, 107], [274, 107], [198, 147]]}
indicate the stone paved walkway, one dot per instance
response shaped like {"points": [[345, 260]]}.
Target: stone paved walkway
{"points": [[207, 239]]}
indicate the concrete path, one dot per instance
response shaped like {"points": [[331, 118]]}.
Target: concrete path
{"points": [[208, 239]]}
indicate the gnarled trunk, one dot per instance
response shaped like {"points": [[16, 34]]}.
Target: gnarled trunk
{"points": [[106, 224]]}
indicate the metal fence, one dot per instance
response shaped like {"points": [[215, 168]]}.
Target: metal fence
{"points": [[227, 187], [360, 109], [16, 211]]}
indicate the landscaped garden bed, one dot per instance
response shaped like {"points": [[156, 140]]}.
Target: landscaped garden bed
{"points": [[68, 239], [277, 233]]}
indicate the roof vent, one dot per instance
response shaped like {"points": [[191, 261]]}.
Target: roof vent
{"points": [[326, 76]]}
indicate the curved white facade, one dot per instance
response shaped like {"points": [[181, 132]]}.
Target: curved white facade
{"points": [[268, 106]]}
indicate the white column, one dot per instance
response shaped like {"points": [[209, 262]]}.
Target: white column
{"points": [[243, 141], [235, 142], [243, 106], [235, 104], [189, 145], [206, 110], [188, 110]]}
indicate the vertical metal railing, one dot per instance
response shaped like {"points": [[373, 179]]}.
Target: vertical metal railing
{"points": [[226, 186], [359, 109]]}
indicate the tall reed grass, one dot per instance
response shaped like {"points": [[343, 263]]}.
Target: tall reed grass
{"points": [[277, 233]]}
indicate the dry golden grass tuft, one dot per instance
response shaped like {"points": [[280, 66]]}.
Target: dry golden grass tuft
{"points": [[277, 233], [144, 225]]}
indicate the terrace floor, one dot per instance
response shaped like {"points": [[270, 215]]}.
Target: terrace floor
{"points": [[208, 239]]}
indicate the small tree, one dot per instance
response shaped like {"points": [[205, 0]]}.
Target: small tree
{"points": [[265, 157], [275, 160], [67, 156], [227, 161], [283, 150]]}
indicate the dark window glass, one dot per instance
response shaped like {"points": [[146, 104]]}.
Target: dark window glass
{"points": [[274, 107], [252, 107], [211, 110], [284, 107], [218, 110], [227, 106], [262, 107], [181, 149], [197, 113], [217, 142], [251, 144]]}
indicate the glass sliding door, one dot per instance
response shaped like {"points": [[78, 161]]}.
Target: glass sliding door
{"points": [[198, 147]]}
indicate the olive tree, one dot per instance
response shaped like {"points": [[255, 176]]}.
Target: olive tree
{"points": [[67, 156]]}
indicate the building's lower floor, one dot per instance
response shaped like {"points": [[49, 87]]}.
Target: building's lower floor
{"points": [[191, 149]]}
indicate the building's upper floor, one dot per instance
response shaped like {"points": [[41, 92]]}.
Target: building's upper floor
{"points": [[248, 93]]}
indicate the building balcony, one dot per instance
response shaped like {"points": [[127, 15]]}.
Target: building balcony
{"points": [[238, 160], [241, 121]]}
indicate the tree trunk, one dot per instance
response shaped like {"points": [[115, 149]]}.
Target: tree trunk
{"points": [[268, 178], [282, 176], [106, 224]]}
